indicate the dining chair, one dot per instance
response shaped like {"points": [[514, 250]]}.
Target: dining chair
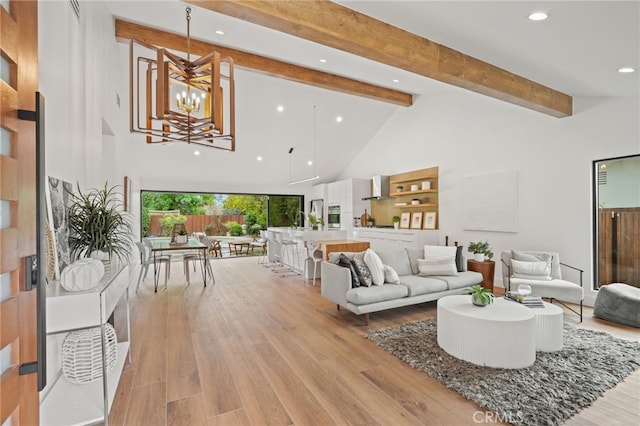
{"points": [[314, 256], [146, 259]]}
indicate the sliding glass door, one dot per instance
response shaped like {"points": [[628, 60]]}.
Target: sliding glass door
{"points": [[617, 220]]}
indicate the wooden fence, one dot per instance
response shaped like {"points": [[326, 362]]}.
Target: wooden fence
{"points": [[619, 246], [197, 223]]}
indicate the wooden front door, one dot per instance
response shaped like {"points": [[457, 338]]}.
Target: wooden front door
{"points": [[18, 85]]}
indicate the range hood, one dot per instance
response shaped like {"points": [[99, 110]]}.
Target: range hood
{"points": [[379, 188]]}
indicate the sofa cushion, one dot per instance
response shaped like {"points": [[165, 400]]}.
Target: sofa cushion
{"points": [[463, 279], [397, 259], [390, 275], [555, 289], [422, 285], [428, 267], [373, 262], [376, 293], [414, 255]]}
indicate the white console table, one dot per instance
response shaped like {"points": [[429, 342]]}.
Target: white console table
{"points": [[501, 335], [80, 404]]}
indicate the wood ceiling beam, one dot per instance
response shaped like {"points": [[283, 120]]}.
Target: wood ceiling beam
{"points": [[333, 25], [127, 30]]}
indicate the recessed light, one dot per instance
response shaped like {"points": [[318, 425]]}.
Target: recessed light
{"points": [[259, 158], [309, 163], [538, 16], [280, 108], [339, 119], [395, 80], [220, 32], [626, 70], [196, 152], [324, 61]]}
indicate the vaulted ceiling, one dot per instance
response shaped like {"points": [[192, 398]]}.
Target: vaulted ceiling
{"points": [[381, 60]]}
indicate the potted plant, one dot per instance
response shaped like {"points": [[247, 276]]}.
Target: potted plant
{"points": [[480, 296], [481, 251], [97, 226], [313, 221], [399, 188], [396, 222], [182, 237]]}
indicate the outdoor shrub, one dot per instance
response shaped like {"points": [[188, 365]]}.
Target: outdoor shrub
{"points": [[234, 228]]}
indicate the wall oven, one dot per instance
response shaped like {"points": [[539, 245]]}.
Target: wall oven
{"points": [[333, 217]]}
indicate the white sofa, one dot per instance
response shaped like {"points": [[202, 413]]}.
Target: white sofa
{"points": [[553, 286], [412, 289]]}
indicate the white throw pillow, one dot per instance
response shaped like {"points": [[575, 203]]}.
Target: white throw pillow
{"points": [[540, 270], [373, 262], [390, 275], [83, 274], [437, 267]]}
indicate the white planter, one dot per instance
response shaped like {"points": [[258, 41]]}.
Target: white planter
{"points": [[396, 225], [426, 185], [478, 257], [181, 239]]}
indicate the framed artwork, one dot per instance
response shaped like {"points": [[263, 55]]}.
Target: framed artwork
{"points": [[127, 194], [416, 220], [405, 219], [429, 220], [59, 203]]}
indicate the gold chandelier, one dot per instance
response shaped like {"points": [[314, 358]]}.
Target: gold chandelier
{"points": [[201, 114]]}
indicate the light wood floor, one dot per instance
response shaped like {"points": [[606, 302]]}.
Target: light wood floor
{"points": [[259, 349]]}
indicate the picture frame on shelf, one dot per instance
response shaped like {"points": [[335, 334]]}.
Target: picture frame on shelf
{"points": [[416, 220], [429, 220], [405, 220]]}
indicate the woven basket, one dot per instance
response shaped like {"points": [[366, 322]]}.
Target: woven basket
{"points": [[82, 354]]}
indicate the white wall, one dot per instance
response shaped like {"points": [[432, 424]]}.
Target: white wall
{"points": [[80, 77], [466, 134]]}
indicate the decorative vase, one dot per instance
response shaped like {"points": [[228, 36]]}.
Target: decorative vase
{"points": [[396, 225], [478, 302], [478, 257]]}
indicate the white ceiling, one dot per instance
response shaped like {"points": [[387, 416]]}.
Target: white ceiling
{"points": [[576, 51]]}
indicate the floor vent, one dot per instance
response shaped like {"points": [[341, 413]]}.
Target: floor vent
{"points": [[75, 5]]}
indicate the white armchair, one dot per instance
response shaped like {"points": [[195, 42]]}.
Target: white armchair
{"points": [[541, 270]]}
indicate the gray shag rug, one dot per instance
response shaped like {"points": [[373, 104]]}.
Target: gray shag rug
{"points": [[557, 386]]}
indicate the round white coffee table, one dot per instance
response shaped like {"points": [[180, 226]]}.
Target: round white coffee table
{"points": [[500, 335], [549, 327]]}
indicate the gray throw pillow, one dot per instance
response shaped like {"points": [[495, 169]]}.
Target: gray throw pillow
{"points": [[346, 263], [364, 274]]}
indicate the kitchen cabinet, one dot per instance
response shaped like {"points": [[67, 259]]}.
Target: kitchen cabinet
{"points": [[385, 240], [65, 403], [349, 194]]}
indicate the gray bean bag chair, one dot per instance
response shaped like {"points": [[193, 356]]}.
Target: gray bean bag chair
{"points": [[618, 303]]}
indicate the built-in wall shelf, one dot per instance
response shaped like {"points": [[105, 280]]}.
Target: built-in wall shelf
{"points": [[420, 191], [384, 210], [413, 206]]}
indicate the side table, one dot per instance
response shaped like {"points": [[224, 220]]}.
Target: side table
{"points": [[486, 268]]}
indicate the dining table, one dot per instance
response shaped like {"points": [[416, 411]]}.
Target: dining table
{"points": [[161, 245]]}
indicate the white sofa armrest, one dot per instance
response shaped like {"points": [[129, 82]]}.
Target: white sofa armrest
{"points": [[335, 281]]}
